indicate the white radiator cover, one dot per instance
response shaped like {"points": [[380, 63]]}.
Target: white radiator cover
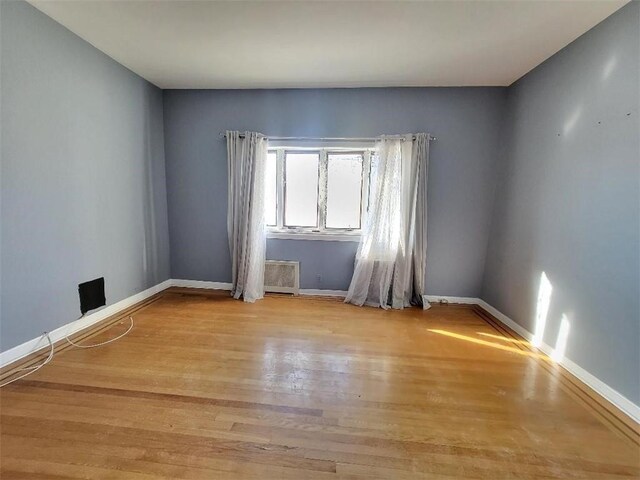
{"points": [[282, 276]]}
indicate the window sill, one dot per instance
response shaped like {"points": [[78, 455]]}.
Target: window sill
{"points": [[326, 236]]}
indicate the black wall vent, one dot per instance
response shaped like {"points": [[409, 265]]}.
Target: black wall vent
{"points": [[91, 295]]}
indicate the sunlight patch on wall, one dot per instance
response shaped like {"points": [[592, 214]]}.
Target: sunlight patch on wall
{"points": [[561, 341], [542, 309], [609, 67], [572, 120]]}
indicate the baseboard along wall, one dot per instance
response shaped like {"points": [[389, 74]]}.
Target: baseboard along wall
{"points": [[76, 326], [31, 347], [609, 393]]}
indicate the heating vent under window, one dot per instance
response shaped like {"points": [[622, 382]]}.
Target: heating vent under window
{"points": [[282, 277]]}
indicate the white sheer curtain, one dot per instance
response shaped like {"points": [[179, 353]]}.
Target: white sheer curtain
{"points": [[246, 160], [391, 259]]}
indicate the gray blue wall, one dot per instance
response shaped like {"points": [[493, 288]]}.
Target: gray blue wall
{"points": [[83, 183], [82, 175], [467, 122], [569, 197]]}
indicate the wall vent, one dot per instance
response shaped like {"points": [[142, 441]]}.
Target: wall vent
{"points": [[91, 295], [282, 276]]}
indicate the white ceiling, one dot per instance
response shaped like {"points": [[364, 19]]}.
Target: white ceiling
{"points": [[278, 44]]}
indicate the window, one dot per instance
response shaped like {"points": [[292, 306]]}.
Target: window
{"points": [[344, 190], [301, 176], [316, 192]]}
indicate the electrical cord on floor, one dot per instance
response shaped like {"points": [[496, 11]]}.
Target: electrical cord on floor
{"points": [[30, 370], [77, 345]]}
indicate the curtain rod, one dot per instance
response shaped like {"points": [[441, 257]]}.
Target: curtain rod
{"points": [[331, 139]]}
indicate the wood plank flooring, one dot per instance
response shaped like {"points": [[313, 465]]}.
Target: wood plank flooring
{"points": [[206, 387]]}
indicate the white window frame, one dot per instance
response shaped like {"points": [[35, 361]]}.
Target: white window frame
{"points": [[321, 232]]}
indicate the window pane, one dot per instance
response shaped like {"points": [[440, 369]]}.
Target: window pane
{"points": [[270, 192], [301, 189], [344, 188]]}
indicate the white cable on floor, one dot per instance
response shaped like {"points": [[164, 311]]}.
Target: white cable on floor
{"points": [[101, 343], [30, 370]]}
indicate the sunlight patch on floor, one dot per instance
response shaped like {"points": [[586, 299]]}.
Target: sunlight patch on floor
{"points": [[486, 343]]}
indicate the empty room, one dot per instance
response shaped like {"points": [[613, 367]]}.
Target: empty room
{"points": [[287, 240]]}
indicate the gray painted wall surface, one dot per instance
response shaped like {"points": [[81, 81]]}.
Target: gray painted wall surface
{"points": [[324, 265], [569, 197], [83, 181], [461, 183]]}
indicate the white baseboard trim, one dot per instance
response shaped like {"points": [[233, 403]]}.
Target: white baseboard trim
{"points": [[40, 343], [431, 298], [510, 323], [200, 284], [435, 299], [227, 286], [314, 292], [612, 395]]}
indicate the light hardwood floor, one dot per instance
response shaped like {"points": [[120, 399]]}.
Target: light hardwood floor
{"points": [[205, 387]]}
